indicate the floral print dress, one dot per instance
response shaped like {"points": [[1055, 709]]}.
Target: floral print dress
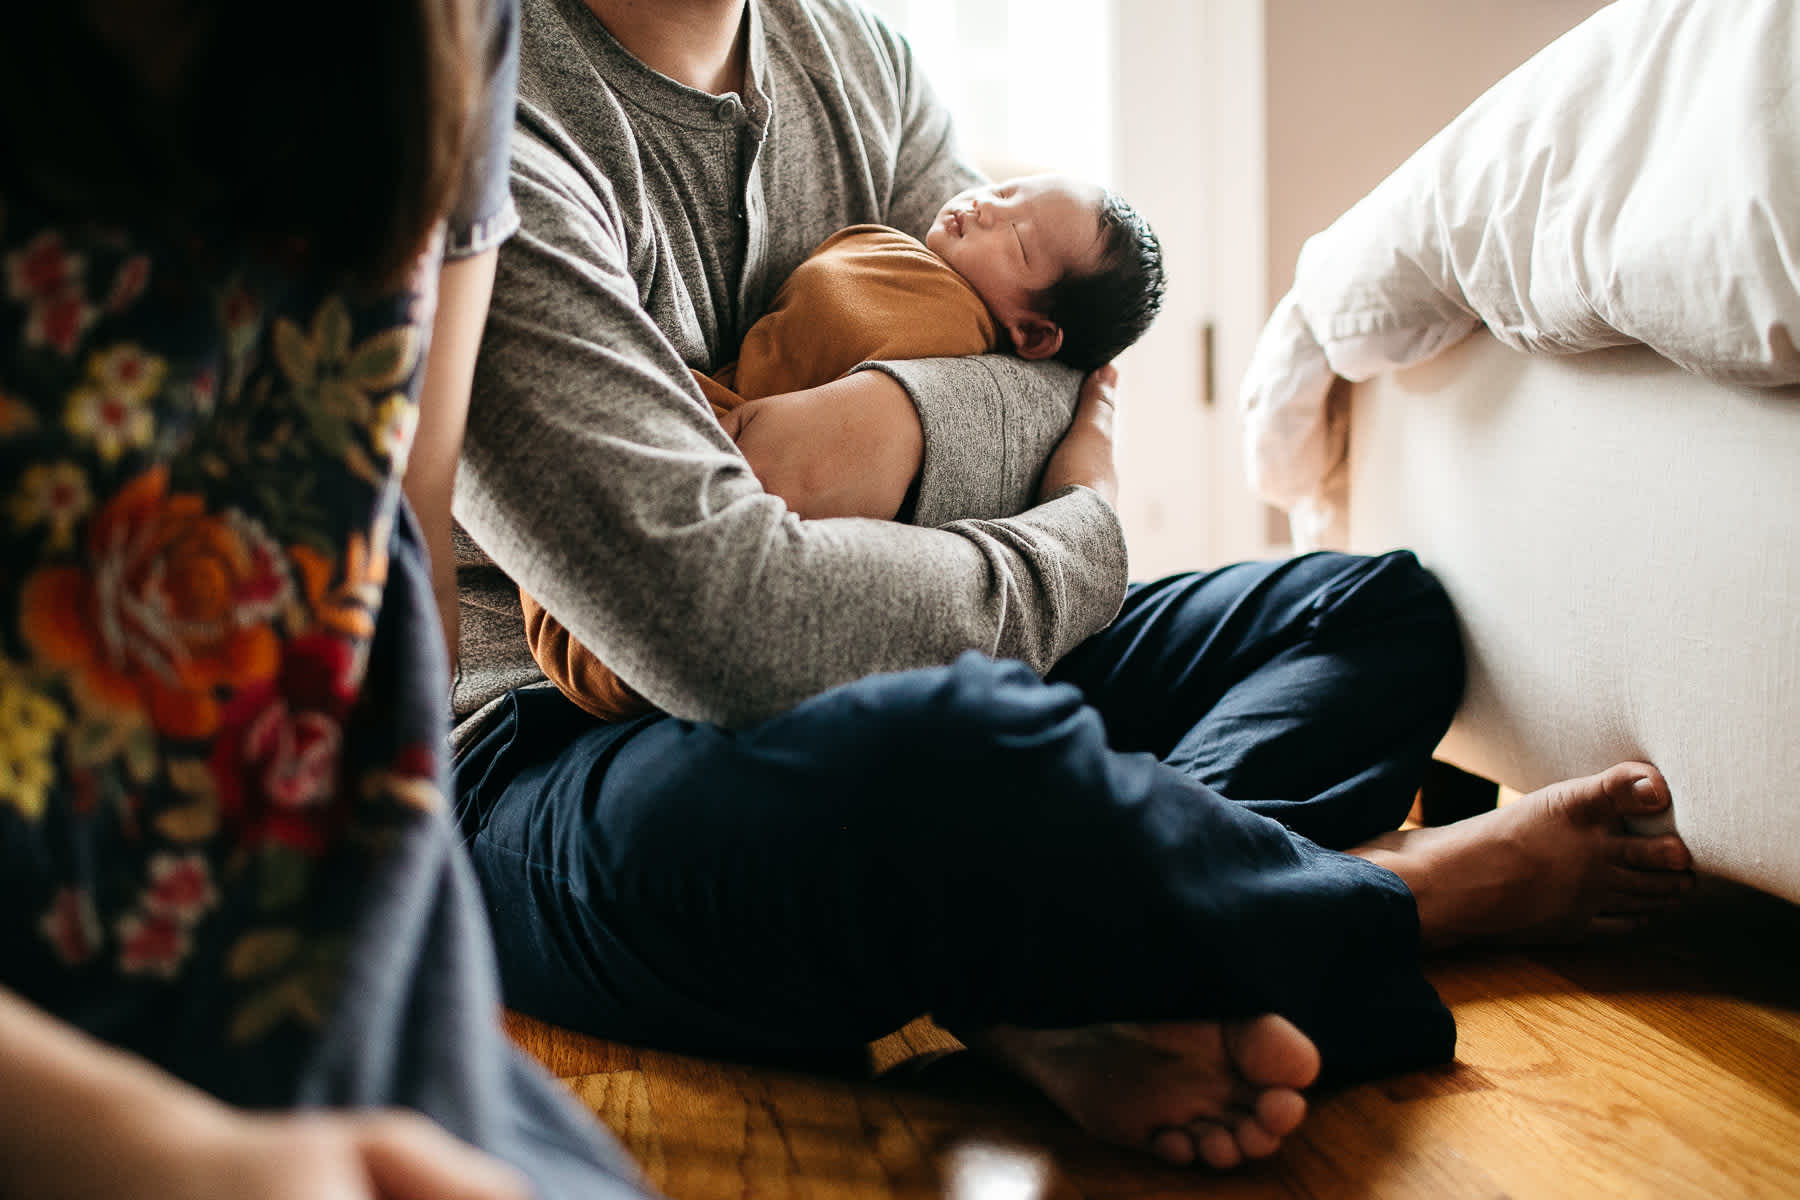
{"points": [[201, 495], [223, 695]]}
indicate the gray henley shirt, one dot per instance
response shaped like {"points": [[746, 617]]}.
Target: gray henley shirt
{"points": [[657, 223]]}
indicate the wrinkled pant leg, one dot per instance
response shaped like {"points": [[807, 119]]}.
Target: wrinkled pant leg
{"points": [[1311, 690], [960, 841]]}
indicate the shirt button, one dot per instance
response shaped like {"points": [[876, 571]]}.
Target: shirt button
{"points": [[728, 108]]}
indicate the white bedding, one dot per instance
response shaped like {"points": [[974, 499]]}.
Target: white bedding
{"points": [[1636, 181]]}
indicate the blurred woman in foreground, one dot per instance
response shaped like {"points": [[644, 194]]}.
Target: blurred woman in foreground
{"points": [[236, 924]]}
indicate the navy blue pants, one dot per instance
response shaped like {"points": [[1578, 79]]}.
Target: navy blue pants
{"points": [[1152, 833]]}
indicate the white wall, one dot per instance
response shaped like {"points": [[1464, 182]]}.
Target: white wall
{"points": [[1245, 126], [1030, 81], [1354, 88], [1188, 112]]}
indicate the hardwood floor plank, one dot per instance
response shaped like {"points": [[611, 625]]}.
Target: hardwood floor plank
{"points": [[1723, 978], [1594, 1100], [564, 1053], [1664, 1067], [1363, 1144], [922, 1037]]}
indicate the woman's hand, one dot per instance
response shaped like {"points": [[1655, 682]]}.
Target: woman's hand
{"points": [[389, 1155], [1085, 455], [850, 448], [79, 1119]]}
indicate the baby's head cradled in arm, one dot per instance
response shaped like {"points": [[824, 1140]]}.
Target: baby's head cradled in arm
{"points": [[1068, 269]]}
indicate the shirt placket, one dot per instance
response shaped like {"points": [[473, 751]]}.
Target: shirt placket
{"points": [[752, 209]]}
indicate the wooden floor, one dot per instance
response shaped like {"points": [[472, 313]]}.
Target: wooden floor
{"points": [[1666, 1065]]}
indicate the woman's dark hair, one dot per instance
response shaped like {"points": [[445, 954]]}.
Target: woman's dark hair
{"points": [[1106, 310], [333, 128]]}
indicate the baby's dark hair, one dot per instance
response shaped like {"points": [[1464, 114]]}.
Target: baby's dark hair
{"points": [[1104, 311]]}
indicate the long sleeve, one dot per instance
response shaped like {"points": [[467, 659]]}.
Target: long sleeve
{"points": [[596, 479], [868, 292]]}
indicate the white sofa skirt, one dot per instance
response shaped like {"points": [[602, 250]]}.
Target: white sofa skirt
{"points": [[1622, 541]]}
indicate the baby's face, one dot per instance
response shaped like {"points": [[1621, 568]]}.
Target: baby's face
{"points": [[1011, 240]]}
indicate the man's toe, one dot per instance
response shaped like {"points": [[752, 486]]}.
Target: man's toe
{"points": [[1254, 1140], [1218, 1148], [1173, 1146]]}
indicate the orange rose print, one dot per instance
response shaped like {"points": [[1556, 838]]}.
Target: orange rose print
{"points": [[168, 611]]}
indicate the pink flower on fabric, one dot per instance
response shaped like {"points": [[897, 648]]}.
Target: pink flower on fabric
{"points": [[276, 757], [295, 754], [152, 944], [181, 887], [59, 321], [264, 588], [47, 276], [71, 926], [43, 268]]}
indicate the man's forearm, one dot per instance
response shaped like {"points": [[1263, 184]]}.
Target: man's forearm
{"points": [[849, 448], [616, 500], [990, 422]]}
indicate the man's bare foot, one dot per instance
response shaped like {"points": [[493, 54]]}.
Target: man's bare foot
{"points": [[1213, 1091], [1553, 865]]}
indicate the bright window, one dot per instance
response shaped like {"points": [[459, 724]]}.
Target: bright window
{"points": [[1030, 81]]}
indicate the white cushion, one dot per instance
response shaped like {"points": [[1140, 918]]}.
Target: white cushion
{"points": [[1622, 542]]}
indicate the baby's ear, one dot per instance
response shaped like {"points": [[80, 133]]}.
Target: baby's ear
{"points": [[1035, 337]]}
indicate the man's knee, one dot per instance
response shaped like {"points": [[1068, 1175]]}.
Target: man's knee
{"points": [[1387, 590], [940, 713], [1356, 582], [1392, 605], [930, 744]]}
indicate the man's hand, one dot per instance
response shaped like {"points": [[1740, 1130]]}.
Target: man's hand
{"points": [[1085, 455], [851, 448]]}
